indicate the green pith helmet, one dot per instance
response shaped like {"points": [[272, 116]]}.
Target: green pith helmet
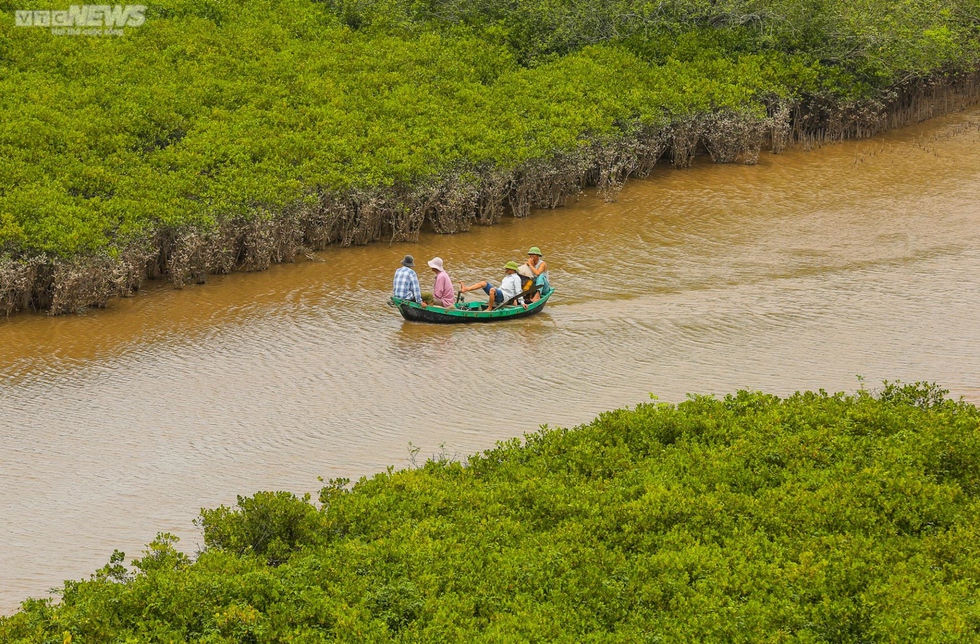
{"points": [[535, 251], [512, 265]]}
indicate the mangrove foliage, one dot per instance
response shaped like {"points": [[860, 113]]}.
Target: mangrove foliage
{"points": [[814, 518]]}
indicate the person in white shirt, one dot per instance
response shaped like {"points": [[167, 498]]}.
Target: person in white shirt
{"points": [[509, 287]]}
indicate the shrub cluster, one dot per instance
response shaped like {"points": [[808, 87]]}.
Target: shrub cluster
{"points": [[815, 518]]}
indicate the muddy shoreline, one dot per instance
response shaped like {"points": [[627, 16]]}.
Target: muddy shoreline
{"points": [[465, 197]]}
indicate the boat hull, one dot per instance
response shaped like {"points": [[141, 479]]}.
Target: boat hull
{"points": [[413, 312]]}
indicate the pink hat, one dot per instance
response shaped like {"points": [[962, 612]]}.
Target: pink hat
{"points": [[436, 263]]}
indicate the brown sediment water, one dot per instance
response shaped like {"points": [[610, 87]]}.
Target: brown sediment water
{"points": [[802, 272]]}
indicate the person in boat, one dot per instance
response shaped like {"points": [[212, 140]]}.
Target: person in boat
{"points": [[442, 293], [537, 269], [406, 284], [509, 287]]}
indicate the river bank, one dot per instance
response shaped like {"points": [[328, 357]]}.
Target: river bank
{"points": [[454, 203]]}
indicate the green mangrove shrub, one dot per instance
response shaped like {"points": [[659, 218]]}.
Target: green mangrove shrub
{"points": [[269, 524]]}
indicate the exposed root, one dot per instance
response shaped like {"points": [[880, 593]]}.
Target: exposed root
{"points": [[320, 221], [257, 241], [684, 142], [187, 262], [131, 268], [493, 193], [364, 218], [222, 249], [402, 217], [780, 127], [820, 120], [91, 281], [729, 136], [563, 177], [651, 143], [81, 283], [614, 162], [17, 283], [917, 100], [519, 195], [454, 204], [287, 235]]}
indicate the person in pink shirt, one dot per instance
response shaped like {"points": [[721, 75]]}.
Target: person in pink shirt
{"points": [[442, 293]]}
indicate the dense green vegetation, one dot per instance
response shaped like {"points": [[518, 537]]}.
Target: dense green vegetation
{"points": [[815, 518], [223, 134]]}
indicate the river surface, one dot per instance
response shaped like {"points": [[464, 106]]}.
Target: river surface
{"points": [[803, 272]]}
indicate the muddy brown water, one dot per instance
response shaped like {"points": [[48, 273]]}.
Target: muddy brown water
{"points": [[802, 272]]}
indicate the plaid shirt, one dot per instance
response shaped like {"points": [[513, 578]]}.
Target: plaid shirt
{"points": [[406, 285]]}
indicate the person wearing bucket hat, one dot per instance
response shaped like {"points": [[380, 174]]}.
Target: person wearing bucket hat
{"points": [[509, 287], [442, 293], [406, 284], [537, 269]]}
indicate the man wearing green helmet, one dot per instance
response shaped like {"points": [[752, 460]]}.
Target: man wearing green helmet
{"points": [[509, 287], [537, 269]]}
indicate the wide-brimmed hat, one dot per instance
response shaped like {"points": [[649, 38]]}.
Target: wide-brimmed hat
{"points": [[512, 265], [535, 251], [409, 261], [436, 263]]}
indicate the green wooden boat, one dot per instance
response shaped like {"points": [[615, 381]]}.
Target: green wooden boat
{"points": [[467, 312]]}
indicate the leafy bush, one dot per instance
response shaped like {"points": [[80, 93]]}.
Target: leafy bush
{"points": [[814, 518], [269, 524]]}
